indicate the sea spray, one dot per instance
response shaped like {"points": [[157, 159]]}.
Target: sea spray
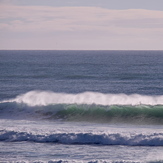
{"points": [[34, 98]]}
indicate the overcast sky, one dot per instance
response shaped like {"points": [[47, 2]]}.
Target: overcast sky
{"points": [[81, 24]]}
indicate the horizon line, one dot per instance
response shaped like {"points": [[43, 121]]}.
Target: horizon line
{"points": [[78, 50]]}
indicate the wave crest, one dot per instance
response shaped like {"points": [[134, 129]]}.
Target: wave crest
{"points": [[88, 106], [43, 98]]}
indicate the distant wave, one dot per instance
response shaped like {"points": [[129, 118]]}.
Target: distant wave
{"points": [[155, 139], [88, 106]]}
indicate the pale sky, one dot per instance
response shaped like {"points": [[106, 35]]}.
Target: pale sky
{"points": [[81, 24]]}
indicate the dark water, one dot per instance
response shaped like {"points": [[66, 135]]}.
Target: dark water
{"points": [[115, 72]]}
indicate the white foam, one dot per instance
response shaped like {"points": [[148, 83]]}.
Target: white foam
{"points": [[155, 139], [34, 98]]}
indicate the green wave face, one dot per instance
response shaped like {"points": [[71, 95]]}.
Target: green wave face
{"points": [[140, 114], [113, 114]]}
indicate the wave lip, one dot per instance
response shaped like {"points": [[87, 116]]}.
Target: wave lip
{"points": [[87, 106], [155, 139], [43, 98]]}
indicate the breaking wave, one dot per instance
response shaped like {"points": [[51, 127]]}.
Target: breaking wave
{"points": [[155, 139], [34, 98], [88, 106]]}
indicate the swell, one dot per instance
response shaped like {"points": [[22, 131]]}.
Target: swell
{"points": [[43, 105], [155, 139]]}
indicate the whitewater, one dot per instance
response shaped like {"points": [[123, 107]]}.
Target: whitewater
{"points": [[81, 106]]}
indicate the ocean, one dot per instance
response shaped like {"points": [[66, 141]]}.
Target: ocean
{"points": [[81, 106]]}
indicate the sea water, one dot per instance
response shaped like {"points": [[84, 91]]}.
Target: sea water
{"points": [[81, 106]]}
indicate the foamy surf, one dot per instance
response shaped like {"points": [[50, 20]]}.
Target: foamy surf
{"points": [[155, 139]]}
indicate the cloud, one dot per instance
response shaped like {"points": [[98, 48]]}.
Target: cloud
{"points": [[36, 18], [84, 23]]}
